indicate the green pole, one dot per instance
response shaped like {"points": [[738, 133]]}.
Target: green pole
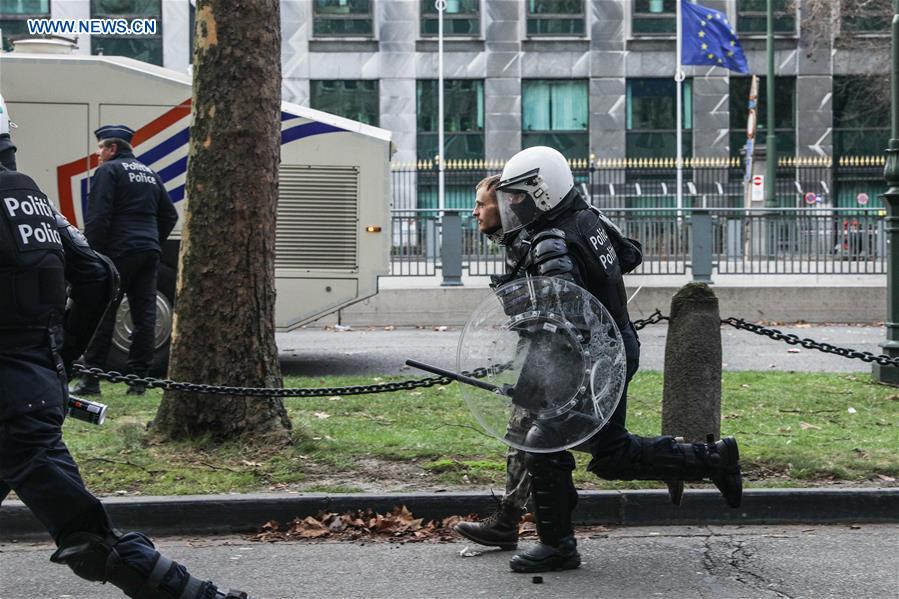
{"points": [[770, 141], [890, 374]]}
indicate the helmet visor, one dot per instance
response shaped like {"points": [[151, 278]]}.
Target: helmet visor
{"points": [[516, 208]]}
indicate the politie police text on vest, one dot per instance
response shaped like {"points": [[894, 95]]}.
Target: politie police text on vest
{"points": [[600, 243], [144, 174], [30, 205]]}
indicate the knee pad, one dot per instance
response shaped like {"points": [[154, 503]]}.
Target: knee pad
{"points": [[543, 464]]}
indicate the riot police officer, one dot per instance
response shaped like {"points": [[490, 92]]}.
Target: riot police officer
{"points": [[129, 217], [39, 253], [569, 240]]}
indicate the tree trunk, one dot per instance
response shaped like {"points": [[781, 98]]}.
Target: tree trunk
{"points": [[224, 329]]}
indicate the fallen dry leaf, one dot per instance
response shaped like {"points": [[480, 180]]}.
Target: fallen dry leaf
{"points": [[806, 426], [321, 415]]}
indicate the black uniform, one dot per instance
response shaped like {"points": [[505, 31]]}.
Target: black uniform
{"points": [[129, 217], [573, 243], [39, 337]]}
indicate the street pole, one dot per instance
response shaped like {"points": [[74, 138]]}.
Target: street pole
{"points": [[770, 141], [890, 374], [440, 5], [678, 107]]}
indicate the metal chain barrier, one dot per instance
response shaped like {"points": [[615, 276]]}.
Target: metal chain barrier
{"points": [[654, 318], [168, 384], [827, 348]]}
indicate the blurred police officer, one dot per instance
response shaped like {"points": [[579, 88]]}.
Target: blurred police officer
{"points": [[39, 338], [129, 217]]}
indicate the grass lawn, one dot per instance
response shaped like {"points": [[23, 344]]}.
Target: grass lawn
{"points": [[795, 429]]}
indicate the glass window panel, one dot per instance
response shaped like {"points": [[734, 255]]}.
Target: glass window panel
{"points": [[752, 16], [651, 104], [342, 7], [555, 7], [353, 99], [570, 144], [145, 48], [554, 105], [852, 101], [463, 105], [24, 7], [654, 17], [865, 16], [342, 18], [132, 8], [459, 146], [860, 124], [461, 17], [784, 102], [463, 118], [657, 144], [555, 17], [13, 29]]}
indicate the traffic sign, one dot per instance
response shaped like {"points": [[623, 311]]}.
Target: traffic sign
{"points": [[810, 198], [862, 199]]}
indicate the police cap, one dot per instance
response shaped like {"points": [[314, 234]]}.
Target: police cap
{"points": [[122, 132]]}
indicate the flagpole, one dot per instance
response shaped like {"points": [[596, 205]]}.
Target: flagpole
{"points": [[679, 80]]}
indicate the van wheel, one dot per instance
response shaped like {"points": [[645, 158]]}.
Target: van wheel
{"points": [[121, 336]]}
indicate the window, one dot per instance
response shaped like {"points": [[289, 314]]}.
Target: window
{"points": [[147, 48], [353, 99], [461, 18], [652, 17], [556, 17], [861, 115], [651, 118], [555, 114], [752, 17], [341, 18], [784, 114], [14, 15], [463, 118], [865, 16]]}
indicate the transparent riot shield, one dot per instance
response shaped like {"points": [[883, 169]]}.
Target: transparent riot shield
{"points": [[556, 358]]}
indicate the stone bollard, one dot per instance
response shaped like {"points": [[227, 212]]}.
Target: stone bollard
{"points": [[691, 399]]}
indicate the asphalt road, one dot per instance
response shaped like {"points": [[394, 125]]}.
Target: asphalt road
{"points": [[316, 351], [714, 562]]}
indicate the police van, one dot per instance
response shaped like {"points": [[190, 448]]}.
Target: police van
{"points": [[333, 229]]}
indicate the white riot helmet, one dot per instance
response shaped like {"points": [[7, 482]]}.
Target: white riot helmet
{"points": [[4, 117], [534, 181]]}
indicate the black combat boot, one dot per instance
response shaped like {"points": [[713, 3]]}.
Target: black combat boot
{"points": [[554, 498], [663, 458], [499, 529], [86, 385]]}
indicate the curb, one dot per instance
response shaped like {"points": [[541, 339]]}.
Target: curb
{"points": [[223, 514]]}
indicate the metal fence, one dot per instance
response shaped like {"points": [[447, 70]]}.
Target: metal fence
{"points": [[828, 218]]}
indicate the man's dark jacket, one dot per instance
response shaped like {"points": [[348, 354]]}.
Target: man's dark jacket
{"points": [[129, 209]]}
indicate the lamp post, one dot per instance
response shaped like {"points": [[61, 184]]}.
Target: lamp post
{"points": [[890, 374], [770, 141]]}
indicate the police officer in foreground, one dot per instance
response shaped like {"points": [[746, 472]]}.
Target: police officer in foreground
{"points": [[39, 338], [129, 217], [567, 239]]}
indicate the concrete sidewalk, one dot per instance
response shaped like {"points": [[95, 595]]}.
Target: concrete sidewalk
{"points": [[221, 514]]}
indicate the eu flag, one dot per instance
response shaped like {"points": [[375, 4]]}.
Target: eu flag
{"points": [[709, 39]]}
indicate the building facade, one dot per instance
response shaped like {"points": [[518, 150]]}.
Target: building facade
{"points": [[593, 78]]}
